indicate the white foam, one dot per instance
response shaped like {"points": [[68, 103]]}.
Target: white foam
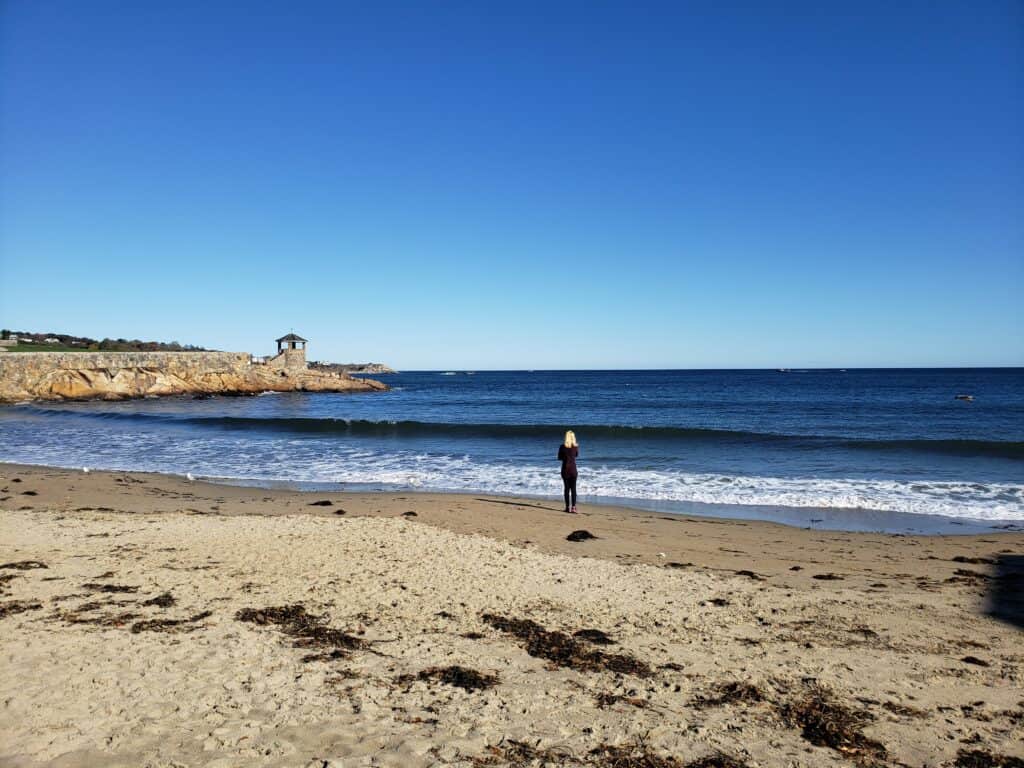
{"points": [[301, 460]]}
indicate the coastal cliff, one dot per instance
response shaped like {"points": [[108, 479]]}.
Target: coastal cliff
{"points": [[126, 375]]}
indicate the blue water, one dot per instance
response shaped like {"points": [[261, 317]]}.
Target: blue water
{"points": [[842, 445]]}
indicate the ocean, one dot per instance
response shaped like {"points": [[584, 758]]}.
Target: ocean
{"points": [[890, 450]]}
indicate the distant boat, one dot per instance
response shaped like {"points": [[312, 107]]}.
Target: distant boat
{"points": [[968, 398], [448, 373], [782, 370]]}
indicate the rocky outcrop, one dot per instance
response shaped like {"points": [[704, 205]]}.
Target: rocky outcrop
{"points": [[360, 368], [125, 375]]}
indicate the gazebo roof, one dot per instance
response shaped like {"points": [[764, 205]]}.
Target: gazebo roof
{"points": [[290, 337]]}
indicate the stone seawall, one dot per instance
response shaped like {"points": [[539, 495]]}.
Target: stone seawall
{"points": [[124, 375]]}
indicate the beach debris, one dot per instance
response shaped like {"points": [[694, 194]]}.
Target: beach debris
{"points": [[825, 722], [674, 564], [166, 600], [332, 655], [750, 575], [564, 651], [5, 579], [718, 602], [12, 607], [796, 568], [23, 565], [981, 758], [605, 700], [321, 503], [595, 636], [827, 577], [410, 513], [635, 755], [975, 661], [29, 493], [903, 710], [339, 511], [580, 535], [973, 560], [457, 676], [169, 625], [730, 692], [106, 620], [109, 588], [307, 629]]}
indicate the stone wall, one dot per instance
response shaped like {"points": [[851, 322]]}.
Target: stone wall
{"points": [[123, 375]]}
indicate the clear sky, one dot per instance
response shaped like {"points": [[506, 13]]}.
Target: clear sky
{"points": [[520, 185]]}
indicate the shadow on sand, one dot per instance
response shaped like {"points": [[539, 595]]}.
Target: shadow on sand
{"points": [[520, 504], [1006, 593]]}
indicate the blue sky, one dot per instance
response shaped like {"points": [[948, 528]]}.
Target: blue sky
{"points": [[520, 185]]}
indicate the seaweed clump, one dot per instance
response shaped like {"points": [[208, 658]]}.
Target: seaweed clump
{"points": [[456, 676], [166, 600], [564, 651], [827, 723], [170, 625], [981, 758], [23, 565], [733, 692], [512, 752], [307, 629], [12, 607]]}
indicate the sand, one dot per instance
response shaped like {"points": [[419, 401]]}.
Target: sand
{"points": [[144, 641]]}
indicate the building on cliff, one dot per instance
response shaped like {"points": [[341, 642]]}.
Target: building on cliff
{"points": [[291, 354]]}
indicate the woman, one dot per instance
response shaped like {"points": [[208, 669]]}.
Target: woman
{"points": [[567, 453]]}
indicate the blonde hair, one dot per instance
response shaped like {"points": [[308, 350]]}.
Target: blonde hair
{"points": [[570, 439]]}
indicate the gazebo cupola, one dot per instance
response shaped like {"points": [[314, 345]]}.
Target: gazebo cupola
{"points": [[291, 341]]}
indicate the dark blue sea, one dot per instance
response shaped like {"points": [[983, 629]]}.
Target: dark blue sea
{"points": [[855, 449]]}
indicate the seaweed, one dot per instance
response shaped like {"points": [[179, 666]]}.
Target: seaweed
{"points": [[731, 692], [750, 575], [170, 625], [827, 577], [166, 600], [12, 607], [23, 565], [594, 636], [321, 503], [564, 651], [827, 723], [981, 758], [5, 579], [975, 661], [605, 700], [457, 676], [307, 629], [637, 755], [109, 588], [580, 535]]}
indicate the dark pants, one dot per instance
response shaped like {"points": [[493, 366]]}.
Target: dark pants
{"points": [[570, 489]]}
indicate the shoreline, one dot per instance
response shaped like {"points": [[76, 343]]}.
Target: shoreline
{"points": [[832, 519], [624, 534], [192, 623]]}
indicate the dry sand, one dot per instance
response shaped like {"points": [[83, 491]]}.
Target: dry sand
{"points": [[722, 639]]}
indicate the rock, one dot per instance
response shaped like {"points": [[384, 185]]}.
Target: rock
{"points": [[126, 375]]}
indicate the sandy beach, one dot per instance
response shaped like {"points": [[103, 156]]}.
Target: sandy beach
{"points": [[152, 621]]}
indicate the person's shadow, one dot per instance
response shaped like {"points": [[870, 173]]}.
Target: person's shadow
{"points": [[1006, 591]]}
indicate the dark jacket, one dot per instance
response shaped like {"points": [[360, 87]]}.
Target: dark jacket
{"points": [[568, 458]]}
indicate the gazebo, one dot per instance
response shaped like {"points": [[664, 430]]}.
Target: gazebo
{"points": [[291, 341]]}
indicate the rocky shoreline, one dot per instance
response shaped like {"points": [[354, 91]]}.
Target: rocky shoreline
{"points": [[124, 376]]}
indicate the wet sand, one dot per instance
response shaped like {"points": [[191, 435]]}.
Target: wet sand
{"points": [[148, 620]]}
